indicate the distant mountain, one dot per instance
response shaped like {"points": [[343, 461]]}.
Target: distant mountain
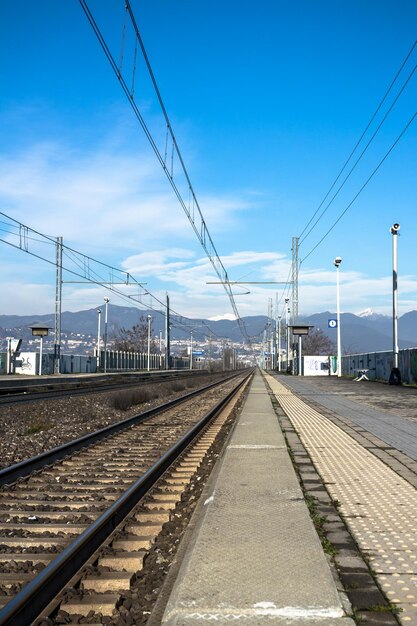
{"points": [[370, 315], [367, 332]]}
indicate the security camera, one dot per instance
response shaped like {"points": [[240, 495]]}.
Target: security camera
{"points": [[394, 229], [287, 300], [337, 261], [106, 299]]}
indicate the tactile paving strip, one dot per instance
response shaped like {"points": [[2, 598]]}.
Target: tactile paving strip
{"points": [[380, 507]]}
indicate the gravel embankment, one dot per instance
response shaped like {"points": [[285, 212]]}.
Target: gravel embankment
{"points": [[31, 428]]}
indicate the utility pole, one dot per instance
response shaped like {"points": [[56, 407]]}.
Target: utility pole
{"points": [[395, 377], [279, 343], [271, 335], [294, 250], [167, 335], [106, 306], [209, 351], [98, 338], [336, 263], [58, 304], [287, 330]]}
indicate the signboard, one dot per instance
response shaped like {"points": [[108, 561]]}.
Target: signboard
{"points": [[198, 352], [28, 363], [15, 344], [317, 366], [300, 329], [332, 323]]}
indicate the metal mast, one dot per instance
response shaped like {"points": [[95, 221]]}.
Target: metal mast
{"points": [[294, 250], [58, 304], [167, 335]]}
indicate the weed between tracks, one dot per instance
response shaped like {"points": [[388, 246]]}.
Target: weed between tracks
{"points": [[124, 400], [37, 425]]}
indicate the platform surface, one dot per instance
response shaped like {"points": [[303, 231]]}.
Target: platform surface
{"points": [[255, 556], [389, 412]]}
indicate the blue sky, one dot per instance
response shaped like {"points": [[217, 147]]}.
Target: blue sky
{"points": [[266, 101]]}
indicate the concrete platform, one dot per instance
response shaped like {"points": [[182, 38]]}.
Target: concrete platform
{"points": [[255, 556]]}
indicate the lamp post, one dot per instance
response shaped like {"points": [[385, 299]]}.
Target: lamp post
{"points": [[191, 350], [298, 330], [149, 318], [287, 330], [98, 338], [395, 377], [40, 331], [337, 262], [279, 342], [106, 305]]}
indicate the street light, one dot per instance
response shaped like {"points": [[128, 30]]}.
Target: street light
{"points": [[191, 350], [287, 312], [279, 342], [41, 331], [336, 263], [98, 338], [149, 318], [395, 377], [106, 304]]}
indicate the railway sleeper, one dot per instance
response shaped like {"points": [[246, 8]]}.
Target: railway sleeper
{"points": [[129, 561], [66, 517], [106, 581], [53, 528], [87, 506], [133, 543], [26, 557], [97, 603]]}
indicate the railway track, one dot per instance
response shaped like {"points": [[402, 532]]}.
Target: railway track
{"points": [[93, 504], [50, 389]]}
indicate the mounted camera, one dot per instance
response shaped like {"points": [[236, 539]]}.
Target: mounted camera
{"points": [[394, 229]]}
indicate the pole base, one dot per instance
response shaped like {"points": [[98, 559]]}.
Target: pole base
{"points": [[395, 377]]}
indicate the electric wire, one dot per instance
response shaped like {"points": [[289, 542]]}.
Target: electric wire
{"points": [[202, 233], [362, 188], [360, 139], [360, 156], [99, 280]]}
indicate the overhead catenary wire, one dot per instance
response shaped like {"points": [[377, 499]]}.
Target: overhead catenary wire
{"points": [[358, 143], [94, 278], [200, 229], [362, 188]]}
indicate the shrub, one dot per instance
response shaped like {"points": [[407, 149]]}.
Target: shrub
{"points": [[176, 385], [123, 400]]}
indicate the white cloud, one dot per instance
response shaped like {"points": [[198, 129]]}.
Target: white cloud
{"points": [[119, 204], [101, 198], [156, 262]]}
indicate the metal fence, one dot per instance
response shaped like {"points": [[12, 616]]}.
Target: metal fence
{"points": [[28, 363], [380, 364]]}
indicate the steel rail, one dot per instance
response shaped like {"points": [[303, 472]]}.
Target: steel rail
{"points": [[24, 468], [27, 605], [39, 390]]}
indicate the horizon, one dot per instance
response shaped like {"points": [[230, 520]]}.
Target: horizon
{"points": [[367, 313]]}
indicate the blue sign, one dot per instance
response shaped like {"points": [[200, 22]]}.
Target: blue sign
{"points": [[332, 323], [198, 352]]}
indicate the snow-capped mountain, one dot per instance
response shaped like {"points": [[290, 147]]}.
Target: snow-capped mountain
{"points": [[371, 315]]}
